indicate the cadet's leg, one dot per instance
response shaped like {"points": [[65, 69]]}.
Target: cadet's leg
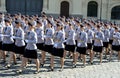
{"points": [[77, 54], [65, 53], [37, 65], [91, 56], [43, 58], [71, 55], [14, 58], [52, 63], [24, 60], [4, 55], [84, 59], [62, 62], [118, 55], [74, 58], [101, 54], [111, 53], [106, 50], [9, 61], [1, 54]]}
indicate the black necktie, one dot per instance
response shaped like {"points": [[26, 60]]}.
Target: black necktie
{"points": [[97, 33], [46, 30], [28, 33], [56, 33], [80, 33], [16, 30], [5, 29]]}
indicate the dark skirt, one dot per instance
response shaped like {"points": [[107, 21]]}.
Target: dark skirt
{"points": [[40, 46], [110, 41], [48, 48], [8, 47], [116, 48], [106, 44], [93, 42], [30, 54], [89, 46], [58, 52], [76, 42], [0, 45], [98, 49], [65, 42], [70, 48], [19, 50], [81, 50]]}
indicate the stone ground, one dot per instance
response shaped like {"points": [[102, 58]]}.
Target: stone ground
{"points": [[106, 70]]}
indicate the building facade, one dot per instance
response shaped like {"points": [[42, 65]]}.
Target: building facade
{"points": [[101, 9]]}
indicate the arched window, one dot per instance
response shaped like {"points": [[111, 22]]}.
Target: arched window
{"points": [[64, 10], [115, 13], [92, 9]]}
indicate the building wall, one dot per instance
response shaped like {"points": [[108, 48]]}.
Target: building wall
{"points": [[112, 3], [2, 6], [77, 7], [54, 7]]}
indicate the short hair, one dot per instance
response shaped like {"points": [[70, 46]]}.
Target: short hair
{"points": [[7, 20], [116, 28], [98, 26]]}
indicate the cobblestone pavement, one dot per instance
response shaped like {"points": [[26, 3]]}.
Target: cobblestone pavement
{"points": [[106, 70]]}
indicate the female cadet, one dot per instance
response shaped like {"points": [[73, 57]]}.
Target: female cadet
{"points": [[31, 49], [111, 36], [19, 39], [70, 42], [116, 43], [90, 34], [77, 31], [40, 35], [66, 29], [106, 39], [58, 49], [1, 38], [8, 42], [82, 44], [98, 44], [48, 45], [26, 27], [2, 24]]}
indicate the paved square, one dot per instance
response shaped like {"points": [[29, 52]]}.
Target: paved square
{"points": [[106, 70]]}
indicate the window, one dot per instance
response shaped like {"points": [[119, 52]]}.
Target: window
{"points": [[92, 9], [64, 11], [115, 13]]}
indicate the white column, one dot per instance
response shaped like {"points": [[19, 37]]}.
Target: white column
{"points": [[3, 6], [104, 9], [45, 5], [84, 8], [51, 6], [77, 7]]}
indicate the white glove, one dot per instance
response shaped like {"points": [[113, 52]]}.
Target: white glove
{"points": [[114, 36], [6, 35], [13, 37], [44, 36], [26, 41], [96, 36], [55, 45], [64, 41], [79, 44], [1, 35]]}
